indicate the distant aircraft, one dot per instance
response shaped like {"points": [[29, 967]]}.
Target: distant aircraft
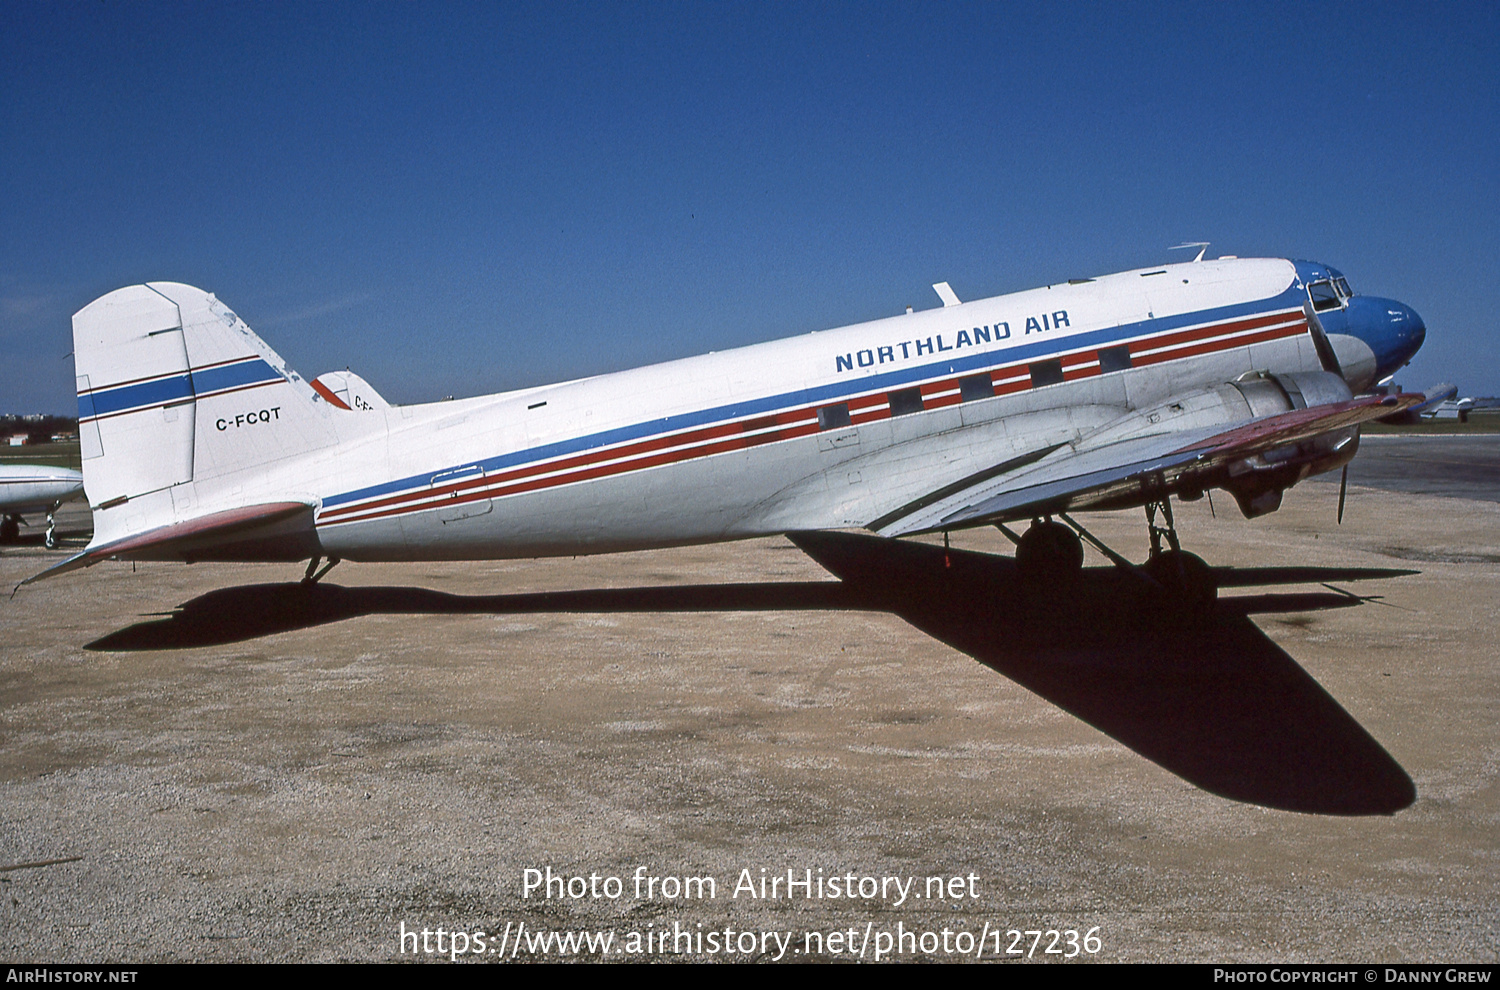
{"points": [[34, 488], [1432, 397], [199, 444], [1451, 408]]}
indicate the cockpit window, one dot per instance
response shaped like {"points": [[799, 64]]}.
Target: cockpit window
{"points": [[1342, 284], [1323, 295]]}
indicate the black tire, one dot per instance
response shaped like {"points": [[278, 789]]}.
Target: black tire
{"points": [[10, 530], [1049, 552], [1186, 578]]}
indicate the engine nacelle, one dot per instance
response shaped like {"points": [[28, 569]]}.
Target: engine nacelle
{"points": [[1257, 481]]}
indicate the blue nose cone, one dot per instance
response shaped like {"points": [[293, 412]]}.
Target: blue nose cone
{"points": [[1391, 329]]}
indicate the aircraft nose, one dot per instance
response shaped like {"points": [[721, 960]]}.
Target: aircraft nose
{"points": [[1392, 329]]}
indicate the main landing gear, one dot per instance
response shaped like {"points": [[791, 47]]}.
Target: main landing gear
{"points": [[1050, 553], [10, 528], [313, 575], [1184, 576]]}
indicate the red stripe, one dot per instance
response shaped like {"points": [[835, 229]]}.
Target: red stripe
{"points": [[1212, 330], [939, 402], [328, 394], [732, 436], [220, 364], [177, 402], [1209, 347], [165, 374]]}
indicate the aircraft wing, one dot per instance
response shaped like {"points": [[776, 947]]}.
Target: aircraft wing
{"points": [[1067, 476], [208, 537]]}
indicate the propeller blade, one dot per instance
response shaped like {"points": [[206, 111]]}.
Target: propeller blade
{"points": [[1321, 344], [1343, 487]]}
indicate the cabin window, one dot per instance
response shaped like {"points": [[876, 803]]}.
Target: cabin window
{"points": [[833, 417], [907, 400], [1046, 373], [1114, 358], [976, 387], [1323, 295]]}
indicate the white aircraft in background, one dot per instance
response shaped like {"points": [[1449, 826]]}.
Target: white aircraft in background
{"points": [[34, 488], [199, 444]]}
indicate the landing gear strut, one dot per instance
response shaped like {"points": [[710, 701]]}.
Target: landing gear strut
{"points": [[1051, 553], [1185, 577], [1157, 532], [312, 566]]}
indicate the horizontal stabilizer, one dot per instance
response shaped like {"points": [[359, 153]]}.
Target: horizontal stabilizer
{"points": [[284, 529]]}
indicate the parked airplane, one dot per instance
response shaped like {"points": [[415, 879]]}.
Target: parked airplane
{"points": [[34, 488], [199, 444]]}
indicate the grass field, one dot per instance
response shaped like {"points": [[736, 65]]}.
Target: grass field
{"points": [[1479, 422], [51, 454]]}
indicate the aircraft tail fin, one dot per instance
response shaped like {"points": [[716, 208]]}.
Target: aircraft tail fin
{"points": [[179, 403]]}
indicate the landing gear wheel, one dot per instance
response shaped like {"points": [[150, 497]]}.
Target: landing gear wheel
{"points": [[1049, 553], [1186, 578], [10, 530]]}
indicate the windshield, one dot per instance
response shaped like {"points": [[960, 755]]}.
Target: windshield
{"points": [[1323, 295]]}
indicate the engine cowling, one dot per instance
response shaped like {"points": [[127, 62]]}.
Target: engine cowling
{"points": [[1257, 481]]}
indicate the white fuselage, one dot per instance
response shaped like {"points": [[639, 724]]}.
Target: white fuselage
{"points": [[818, 431]]}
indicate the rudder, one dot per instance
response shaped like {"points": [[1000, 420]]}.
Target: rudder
{"points": [[176, 395]]}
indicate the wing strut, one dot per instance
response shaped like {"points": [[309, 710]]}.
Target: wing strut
{"points": [[1097, 544]]}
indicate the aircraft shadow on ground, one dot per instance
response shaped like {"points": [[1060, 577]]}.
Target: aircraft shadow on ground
{"points": [[1208, 697]]}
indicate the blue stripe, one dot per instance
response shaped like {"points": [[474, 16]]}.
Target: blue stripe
{"points": [[164, 391], [232, 376], [824, 394], [144, 395]]}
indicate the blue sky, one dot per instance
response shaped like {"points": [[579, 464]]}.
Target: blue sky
{"points": [[453, 199]]}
